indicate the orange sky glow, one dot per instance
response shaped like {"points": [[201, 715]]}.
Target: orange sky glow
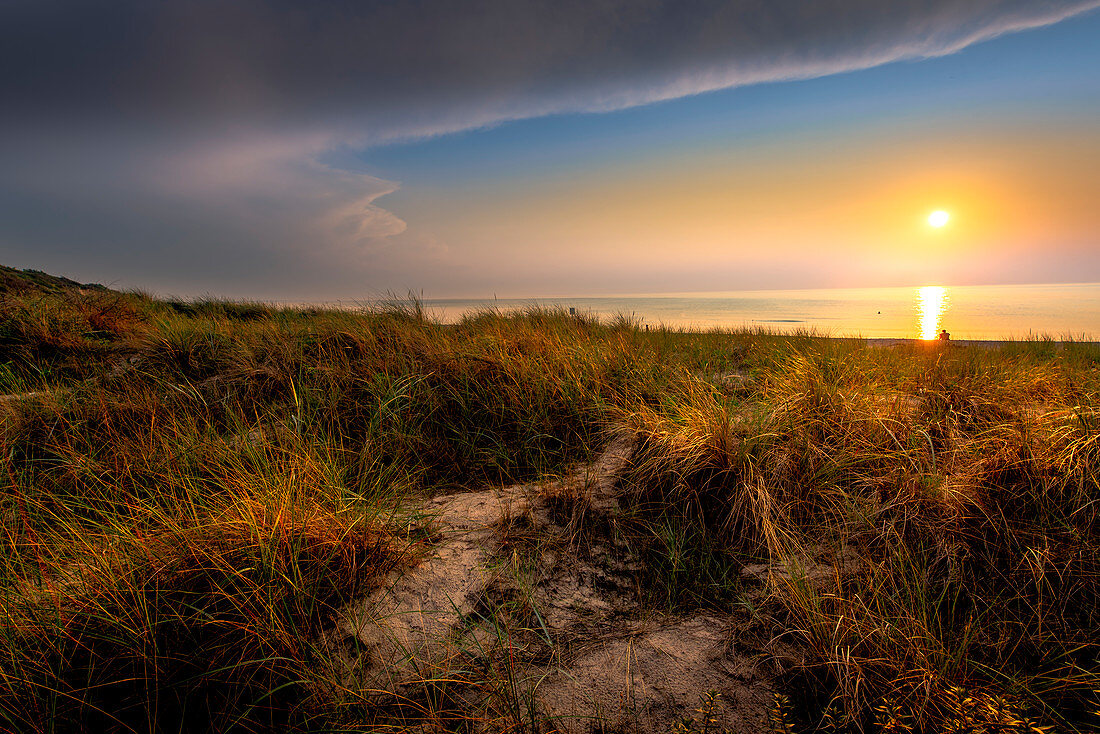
{"points": [[856, 211]]}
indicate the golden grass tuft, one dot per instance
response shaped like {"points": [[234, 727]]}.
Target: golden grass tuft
{"points": [[205, 616]]}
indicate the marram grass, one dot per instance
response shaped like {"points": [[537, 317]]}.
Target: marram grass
{"points": [[190, 489]]}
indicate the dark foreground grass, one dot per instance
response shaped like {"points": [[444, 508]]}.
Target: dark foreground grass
{"points": [[191, 488]]}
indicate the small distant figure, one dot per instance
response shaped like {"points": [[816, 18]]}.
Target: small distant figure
{"points": [[944, 336]]}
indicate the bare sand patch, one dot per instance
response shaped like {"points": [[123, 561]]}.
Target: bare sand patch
{"points": [[652, 677], [529, 606]]}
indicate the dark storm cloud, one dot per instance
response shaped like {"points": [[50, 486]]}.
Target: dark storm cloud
{"points": [[380, 69], [130, 119]]}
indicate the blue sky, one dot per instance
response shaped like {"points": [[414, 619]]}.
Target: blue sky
{"points": [[1033, 85], [1048, 73], [299, 151]]}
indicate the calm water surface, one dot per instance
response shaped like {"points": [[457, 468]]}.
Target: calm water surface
{"points": [[967, 312]]}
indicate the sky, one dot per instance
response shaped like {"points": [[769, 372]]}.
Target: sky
{"points": [[329, 150]]}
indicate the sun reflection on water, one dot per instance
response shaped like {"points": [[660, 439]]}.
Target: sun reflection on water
{"points": [[931, 303]]}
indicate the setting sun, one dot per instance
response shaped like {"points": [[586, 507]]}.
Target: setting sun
{"points": [[938, 218]]}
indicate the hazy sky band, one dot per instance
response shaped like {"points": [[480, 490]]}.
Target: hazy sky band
{"points": [[157, 136]]}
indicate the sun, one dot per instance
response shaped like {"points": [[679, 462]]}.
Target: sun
{"points": [[938, 218]]}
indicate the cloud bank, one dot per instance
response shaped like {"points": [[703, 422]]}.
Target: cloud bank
{"points": [[149, 136]]}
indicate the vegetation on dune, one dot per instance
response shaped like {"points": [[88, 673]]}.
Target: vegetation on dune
{"points": [[191, 488], [953, 496]]}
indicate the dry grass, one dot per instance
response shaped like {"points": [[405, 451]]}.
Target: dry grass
{"points": [[200, 614], [966, 483], [199, 485]]}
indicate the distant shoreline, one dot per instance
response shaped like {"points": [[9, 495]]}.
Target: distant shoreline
{"points": [[984, 343]]}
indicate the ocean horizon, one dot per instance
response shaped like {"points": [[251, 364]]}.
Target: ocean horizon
{"points": [[987, 312]]}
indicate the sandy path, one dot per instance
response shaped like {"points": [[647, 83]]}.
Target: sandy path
{"points": [[529, 603]]}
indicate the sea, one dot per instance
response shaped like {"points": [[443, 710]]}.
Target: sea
{"points": [[969, 312]]}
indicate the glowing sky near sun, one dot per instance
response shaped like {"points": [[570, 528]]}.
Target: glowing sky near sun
{"points": [[662, 149]]}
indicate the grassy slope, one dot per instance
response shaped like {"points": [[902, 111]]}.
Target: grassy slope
{"points": [[28, 282], [198, 484]]}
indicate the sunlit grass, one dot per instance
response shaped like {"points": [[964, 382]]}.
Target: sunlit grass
{"points": [[191, 488]]}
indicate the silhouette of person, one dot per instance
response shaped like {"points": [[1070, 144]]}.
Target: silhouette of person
{"points": [[944, 336]]}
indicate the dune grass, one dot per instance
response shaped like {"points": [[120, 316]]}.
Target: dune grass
{"points": [[190, 489], [963, 482]]}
